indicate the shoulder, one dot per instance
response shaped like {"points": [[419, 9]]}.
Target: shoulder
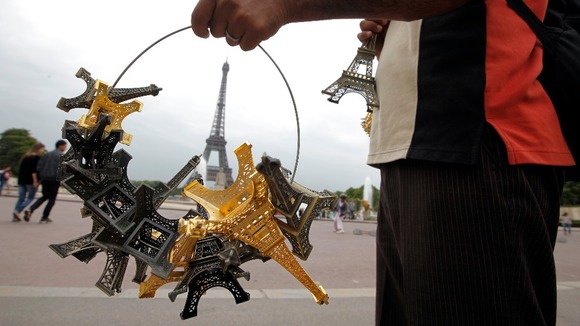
{"points": [[55, 153], [31, 158]]}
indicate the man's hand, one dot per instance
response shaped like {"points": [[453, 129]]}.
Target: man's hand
{"points": [[369, 27], [248, 22], [243, 22]]}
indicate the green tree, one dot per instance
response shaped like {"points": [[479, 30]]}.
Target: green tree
{"points": [[356, 195], [13, 144], [154, 183], [151, 183], [571, 193], [376, 195]]}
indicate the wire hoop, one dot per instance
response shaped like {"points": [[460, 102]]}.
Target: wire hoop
{"points": [[269, 57]]}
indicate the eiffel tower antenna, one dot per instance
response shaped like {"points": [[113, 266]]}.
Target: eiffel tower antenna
{"points": [[217, 141]]}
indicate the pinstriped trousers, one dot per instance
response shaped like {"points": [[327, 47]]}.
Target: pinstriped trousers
{"points": [[467, 245]]}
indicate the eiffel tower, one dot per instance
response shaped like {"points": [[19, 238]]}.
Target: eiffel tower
{"points": [[216, 141], [352, 81]]}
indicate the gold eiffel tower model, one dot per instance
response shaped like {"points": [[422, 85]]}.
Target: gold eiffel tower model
{"points": [[352, 81], [244, 212], [241, 212]]}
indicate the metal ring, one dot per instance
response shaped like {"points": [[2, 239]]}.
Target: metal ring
{"points": [[266, 53], [231, 38]]}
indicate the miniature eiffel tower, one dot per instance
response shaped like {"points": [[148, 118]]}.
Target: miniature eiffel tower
{"points": [[216, 141], [352, 81]]}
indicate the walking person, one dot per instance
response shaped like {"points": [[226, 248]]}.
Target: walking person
{"points": [[567, 223], [4, 177], [340, 213], [469, 147], [47, 169], [28, 180]]}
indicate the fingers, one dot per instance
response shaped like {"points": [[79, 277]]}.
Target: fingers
{"points": [[232, 40], [211, 18], [364, 35], [254, 36], [368, 28], [375, 26], [201, 17], [243, 23]]}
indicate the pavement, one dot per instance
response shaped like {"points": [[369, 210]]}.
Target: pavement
{"points": [[37, 287]]}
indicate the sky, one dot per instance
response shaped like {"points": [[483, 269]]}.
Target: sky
{"points": [[44, 43]]}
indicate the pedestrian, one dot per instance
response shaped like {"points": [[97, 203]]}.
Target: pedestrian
{"points": [[340, 213], [567, 223], [351, 210], [469, 148], [47, 169], [28, 181], [4, 177]]}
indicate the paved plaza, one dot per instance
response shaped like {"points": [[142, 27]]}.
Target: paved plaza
{"points": [[37, 287]]}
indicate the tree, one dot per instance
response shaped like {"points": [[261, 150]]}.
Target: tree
{"points": [[13, 144], [154, 183], [356, 194], [571, 193]]}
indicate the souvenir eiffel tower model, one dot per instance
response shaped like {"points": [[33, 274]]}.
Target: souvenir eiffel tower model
{"points": [[352, 81], [256, 217]]}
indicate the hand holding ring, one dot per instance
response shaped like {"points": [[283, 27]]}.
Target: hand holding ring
{"points": [[231, 38]]}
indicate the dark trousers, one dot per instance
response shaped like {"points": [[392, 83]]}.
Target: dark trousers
{"points": [[49, 192], [467, 245]]}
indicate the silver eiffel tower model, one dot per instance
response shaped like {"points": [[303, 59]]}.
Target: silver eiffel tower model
{"points": [[352, 81]]}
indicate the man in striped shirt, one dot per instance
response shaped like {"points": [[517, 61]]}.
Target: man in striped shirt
{"points": [[469, 147]]}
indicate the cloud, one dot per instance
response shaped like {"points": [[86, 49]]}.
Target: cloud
{"points": [[42, 45]]}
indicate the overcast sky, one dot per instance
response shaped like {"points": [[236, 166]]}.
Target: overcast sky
{"points": [[44, 43]]}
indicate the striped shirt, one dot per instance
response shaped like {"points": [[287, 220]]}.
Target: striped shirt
{"points": [[441, 79]]}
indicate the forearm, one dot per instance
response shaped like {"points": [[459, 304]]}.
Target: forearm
{"points": [[249, 22], [311, 10]]}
